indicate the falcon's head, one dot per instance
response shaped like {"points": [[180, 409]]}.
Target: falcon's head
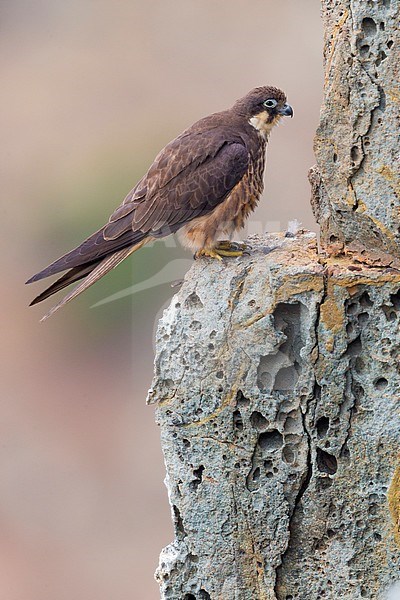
{"points": [[264, 107]]}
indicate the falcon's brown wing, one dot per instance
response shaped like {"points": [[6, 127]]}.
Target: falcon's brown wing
{"points": [[188, 178]]}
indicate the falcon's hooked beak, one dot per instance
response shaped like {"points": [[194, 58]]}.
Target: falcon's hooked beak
{"points": [[286, 110]]}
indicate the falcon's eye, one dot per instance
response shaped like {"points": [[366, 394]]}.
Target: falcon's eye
{"points": [[271, 103]]}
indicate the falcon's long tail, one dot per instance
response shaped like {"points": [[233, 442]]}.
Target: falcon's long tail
{"points": [[91, 273], [71, 276]]}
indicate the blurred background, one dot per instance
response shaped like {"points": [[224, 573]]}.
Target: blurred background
{"points": [[91, 90]]}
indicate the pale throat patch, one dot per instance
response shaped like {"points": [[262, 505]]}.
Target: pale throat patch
{"points": [[259, 122]]}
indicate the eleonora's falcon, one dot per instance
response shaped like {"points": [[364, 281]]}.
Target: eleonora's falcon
{"points": [[204, 183]]}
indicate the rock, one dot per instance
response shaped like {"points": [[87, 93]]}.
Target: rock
{"points": [[356, 182], [277, 378]]}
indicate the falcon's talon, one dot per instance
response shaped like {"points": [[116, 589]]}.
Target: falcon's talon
{"points": [[227, 245], [218, 252], [208, 253], [229, 253]]}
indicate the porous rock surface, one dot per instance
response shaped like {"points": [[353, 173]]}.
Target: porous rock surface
{"points": [[277, 383], [356, 182]]}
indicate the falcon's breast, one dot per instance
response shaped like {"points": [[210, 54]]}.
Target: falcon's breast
{"points": [[230, 215]]}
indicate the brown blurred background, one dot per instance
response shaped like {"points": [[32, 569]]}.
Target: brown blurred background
{"points": [[91, 90]]}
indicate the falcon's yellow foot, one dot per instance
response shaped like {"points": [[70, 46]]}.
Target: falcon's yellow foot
{"points": [[209, 252], [227, 248], [223, 248], [228, 245]]}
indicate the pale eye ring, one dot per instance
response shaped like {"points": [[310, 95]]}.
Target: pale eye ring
{"points": [[271, 103]]}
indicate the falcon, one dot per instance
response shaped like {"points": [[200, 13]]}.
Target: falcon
{"points": [[203, 185]]}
